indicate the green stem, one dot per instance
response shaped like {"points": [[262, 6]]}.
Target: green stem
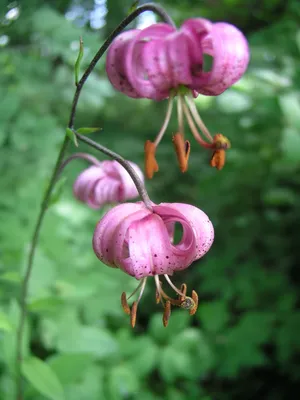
{"points": [[45, 202], [28, 270]]}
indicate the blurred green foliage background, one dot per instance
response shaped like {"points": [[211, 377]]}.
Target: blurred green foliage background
{"points": [[244, 342]]}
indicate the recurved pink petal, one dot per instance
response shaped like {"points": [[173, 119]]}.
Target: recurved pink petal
{"points": [[156, 60], [227, 46], [138, 72], [115, 61], [106, 191], [85, 183], [107, 183], [103, 239], [178, 56], [201, 225], [149, 250], [186, 248], [138, 240]]}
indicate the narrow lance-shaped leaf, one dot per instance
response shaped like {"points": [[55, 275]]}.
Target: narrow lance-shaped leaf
{"points": [[43, 378], [86, 131], [78, 61], [72, 136]]}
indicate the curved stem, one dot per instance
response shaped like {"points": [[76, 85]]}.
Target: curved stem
{"points": [[24, 288], [134, 176], [84, 156]]}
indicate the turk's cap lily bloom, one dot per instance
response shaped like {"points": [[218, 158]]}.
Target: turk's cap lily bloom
{"points": [[160, 62], [141, 243], [105, 183]]}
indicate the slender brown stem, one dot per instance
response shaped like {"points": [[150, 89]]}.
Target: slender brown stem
{"points": [[35, 237]]}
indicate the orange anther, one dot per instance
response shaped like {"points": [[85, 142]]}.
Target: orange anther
{"points": [[124, 303], [133, 314], [218, 159], [195, 299], [182, 148], [183, 289], [167, 313], [151, 165]]}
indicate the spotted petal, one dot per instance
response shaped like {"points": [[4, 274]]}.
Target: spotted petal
{"points": [[201, 225], [226, 45], [103, 239], [149, 250], [115, 67], [138, 71]]}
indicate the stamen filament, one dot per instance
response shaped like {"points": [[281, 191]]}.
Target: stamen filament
{"points": [[144, 280], [136, 289], [197, 117], [166, 121], [181, 294], [194, 129], [180, 114], [164, 295], [158, 288]]}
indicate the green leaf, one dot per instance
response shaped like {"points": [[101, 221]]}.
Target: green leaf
{"points": [[87, 339], [78, 61], [290, 107], [122, 383], [143, 355], [174, 363], [86, 131], [5, 324], [43, 378], [290, 145], [178, 322], [69, 367], [72, 136], [8, 340], [213, 315]]}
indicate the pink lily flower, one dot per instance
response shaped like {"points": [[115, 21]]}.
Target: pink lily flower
{"points": [[140, 242], [105, 183], [160, 62]]}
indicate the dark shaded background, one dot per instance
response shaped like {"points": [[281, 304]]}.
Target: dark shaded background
{"points": [[244, 341]]}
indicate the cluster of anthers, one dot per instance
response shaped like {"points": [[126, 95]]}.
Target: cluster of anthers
{"points": [[183, 301]]}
